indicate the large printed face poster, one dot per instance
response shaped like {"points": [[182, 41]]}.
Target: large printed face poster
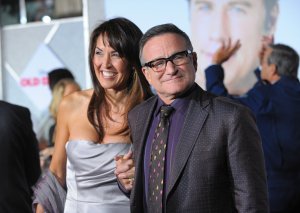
{"points": [[216, 21], [210, 22]]}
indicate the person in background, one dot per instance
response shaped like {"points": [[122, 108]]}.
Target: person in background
{"points": [[92, 126], [19, 159], [62, 88], [275, 101], [249, 21], [193, 151], [58, 74], [54, 76]]}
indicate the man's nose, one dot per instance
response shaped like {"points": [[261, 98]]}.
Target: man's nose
{"points": [[171, 68], [219, 27]]}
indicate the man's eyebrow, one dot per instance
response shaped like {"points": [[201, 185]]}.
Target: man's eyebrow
{"points": [[202, 1], [243, 3]]}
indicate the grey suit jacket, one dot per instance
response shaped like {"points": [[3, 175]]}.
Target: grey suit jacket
{"points": [[218, 164]]}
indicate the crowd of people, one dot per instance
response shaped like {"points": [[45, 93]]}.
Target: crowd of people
{"points": [[120, 148]]}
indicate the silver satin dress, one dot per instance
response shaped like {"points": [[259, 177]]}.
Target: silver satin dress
{"points": [[92, 185]]}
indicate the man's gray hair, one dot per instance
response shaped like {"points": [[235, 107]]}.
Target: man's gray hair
{"points": [[285, 58], [163, 29]]}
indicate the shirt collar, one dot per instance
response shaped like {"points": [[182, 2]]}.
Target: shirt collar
{"points": [[177, 104]]}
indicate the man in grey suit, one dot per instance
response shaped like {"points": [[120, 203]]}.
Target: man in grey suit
{"points": [[213, 160]]}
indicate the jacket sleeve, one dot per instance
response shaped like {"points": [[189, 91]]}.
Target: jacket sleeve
{"points": [[255, 98], [246, 163], [31, 160], [214, 80]]}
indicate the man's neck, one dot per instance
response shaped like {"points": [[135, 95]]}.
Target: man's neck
{"points": [[168, 100]]}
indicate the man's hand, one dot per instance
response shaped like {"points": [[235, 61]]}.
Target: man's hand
{"points": [[125, 170], [266, 41], [224, 52]]}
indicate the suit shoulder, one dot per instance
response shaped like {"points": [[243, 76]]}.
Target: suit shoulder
{"points": [[8, 108], [224, 104], [142, 105]]}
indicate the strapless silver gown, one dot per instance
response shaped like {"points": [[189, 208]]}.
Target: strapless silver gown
{"points": [[92, 185]]}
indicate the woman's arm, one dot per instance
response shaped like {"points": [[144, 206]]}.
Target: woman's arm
{"points": [[59, 158]]}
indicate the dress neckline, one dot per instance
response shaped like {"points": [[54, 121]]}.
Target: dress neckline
{"points": [[93, 142]]}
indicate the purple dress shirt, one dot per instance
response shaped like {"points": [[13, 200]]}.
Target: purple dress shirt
{"points": [[180, 106]]}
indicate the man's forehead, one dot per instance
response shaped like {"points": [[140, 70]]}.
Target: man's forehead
{"points": [[164, 43], [230, 2], [168, 37]]}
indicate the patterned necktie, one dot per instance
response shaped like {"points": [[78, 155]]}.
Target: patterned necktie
{"points": [[157, 163]]}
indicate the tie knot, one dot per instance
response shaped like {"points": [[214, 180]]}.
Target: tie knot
{"points": [[165, 111]]}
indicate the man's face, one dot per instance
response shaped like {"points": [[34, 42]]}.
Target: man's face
{"points": [[213, 21], [173, 80]]}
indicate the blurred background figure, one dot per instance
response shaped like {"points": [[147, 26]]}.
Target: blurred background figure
{"points": [[62, 88], [67, 8], [19, 160], [54, 76], [250, 21], [275, 100]]}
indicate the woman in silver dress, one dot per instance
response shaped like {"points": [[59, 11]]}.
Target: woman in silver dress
{"points": [[92, 127]]}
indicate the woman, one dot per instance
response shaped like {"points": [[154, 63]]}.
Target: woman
{"points": [[92, 125], [62, 88]]}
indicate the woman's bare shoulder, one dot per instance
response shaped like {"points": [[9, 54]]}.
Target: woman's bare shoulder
{"points": [[76, 101]]}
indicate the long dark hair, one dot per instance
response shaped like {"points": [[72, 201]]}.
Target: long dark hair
{"points": [[123, 36]]}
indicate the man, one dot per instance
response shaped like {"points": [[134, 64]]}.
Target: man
{"points": [[275, 100], [213, 158], [250, 21], [19, 159]]}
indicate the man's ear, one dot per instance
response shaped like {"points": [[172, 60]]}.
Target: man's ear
{"points": [[146, 73], [195, 63], [273, 70], [273, 74]]}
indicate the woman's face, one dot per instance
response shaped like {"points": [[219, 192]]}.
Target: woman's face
{"points": [[112, 71]]}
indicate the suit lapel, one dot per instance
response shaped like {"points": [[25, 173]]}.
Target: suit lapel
{"points": [[195, 117], [141, 127], [140, 130]]}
